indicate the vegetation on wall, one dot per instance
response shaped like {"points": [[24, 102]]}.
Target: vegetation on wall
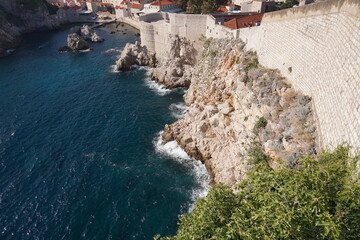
{"points": [[317, 199]]}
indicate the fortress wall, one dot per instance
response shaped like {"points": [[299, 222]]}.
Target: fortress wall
{"points": [[191, 26], [215, 30], [317, 47], [155, 29]]}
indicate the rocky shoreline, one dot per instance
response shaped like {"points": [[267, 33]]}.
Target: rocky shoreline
{"points": [[16, 19], [239, 113]]}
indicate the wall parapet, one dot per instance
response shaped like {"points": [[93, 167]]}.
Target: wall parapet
{"points": [[351, 7]]}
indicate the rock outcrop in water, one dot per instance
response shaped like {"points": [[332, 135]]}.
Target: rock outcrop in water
{"points": [[176, 69], [75, 42], [239, 112], [135, 54], [79, 37], [17, 18]]}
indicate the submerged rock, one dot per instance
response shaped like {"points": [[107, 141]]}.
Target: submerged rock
{"points": [[135, 54], [64, 49]]}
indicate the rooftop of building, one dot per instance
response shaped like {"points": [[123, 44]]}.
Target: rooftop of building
{"points": [[161, 3], [244, 21]]}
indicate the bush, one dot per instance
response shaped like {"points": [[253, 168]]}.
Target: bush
{"points": [[51, 8], [30, 4], [256, 154], [3, 17], [317, 199], [213, 53], [261, 123], [253, 64], [289, 4]]}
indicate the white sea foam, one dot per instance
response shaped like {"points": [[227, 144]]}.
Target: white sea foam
{"points": [[197, 169], [178, 110], [156, 87], [112, 50], [113, 69]]}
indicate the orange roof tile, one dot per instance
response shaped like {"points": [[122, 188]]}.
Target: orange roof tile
{"points": [[244, 21], [162, 3], [136, 6], [222, 9]]}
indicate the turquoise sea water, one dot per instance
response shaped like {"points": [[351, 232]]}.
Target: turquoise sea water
{"points": [[80, 156]]}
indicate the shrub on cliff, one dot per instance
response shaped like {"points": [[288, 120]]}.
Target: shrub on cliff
{"points": [[34, 5], [318, 199], [3, 17]]}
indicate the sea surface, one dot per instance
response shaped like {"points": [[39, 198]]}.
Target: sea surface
{"points": [[80, 152]]}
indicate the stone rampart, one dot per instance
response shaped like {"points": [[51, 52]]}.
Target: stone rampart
{"points": [[317, 47], [156, 28]]}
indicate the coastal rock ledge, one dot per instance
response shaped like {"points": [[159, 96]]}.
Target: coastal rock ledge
{"points": [[175, 70], [240, 113], [79, 37], [135, 54]]}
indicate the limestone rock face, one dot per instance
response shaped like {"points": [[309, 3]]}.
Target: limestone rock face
{"points": [[236, 107], [135, 54], [176, 69], [79, 37], [96, 38], [75, 42], [18, 20], [90, 34]]}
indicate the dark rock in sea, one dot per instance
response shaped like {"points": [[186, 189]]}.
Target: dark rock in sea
{"points": [[137, 34], [75, 42], [124, 33], [64, 49], [112, 32]]}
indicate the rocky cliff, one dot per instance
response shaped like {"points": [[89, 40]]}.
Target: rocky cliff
{"points": [[240, 113], [21, 16]]}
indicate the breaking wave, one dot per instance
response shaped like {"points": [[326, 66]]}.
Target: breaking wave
{"points": [[178, 110], [113, 69], [156, 87], [198, 170]]}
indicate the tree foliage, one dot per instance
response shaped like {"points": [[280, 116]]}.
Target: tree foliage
{"points": [[289, 4], [200, 6], [318, 199], [34, 5]]}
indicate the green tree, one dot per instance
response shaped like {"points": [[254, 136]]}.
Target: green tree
{"points": [[182, 4], [289, 4], [194, 6], [208, 6], [318, 199]]}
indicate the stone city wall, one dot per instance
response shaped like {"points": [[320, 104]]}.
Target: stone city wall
{"points": [[155, 29], [317, 47]]}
